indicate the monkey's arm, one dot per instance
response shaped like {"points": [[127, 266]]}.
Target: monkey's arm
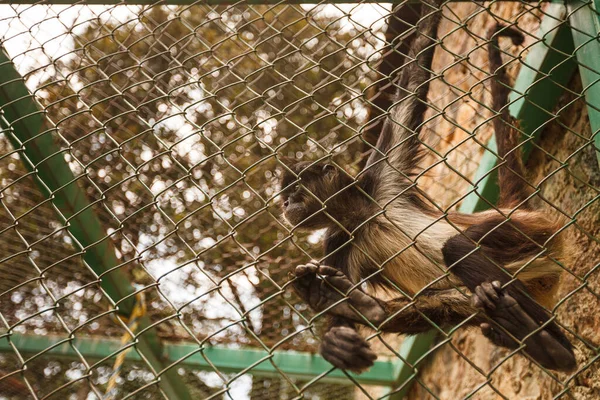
{"points": [[328, 290], [397, 151]]}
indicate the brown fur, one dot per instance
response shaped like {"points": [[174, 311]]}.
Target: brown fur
{"points": [[398, 239], [382, 232], [442, 307]]}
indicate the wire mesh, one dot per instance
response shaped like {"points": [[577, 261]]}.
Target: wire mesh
{"points": [[172, 120]]}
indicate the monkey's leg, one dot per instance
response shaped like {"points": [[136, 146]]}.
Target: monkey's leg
{"points": [[448, 307], [504, 310], [321, 288], [468, 262]]}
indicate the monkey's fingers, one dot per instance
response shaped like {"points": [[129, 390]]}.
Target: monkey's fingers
{"points": [[336, 278], [304, 275], [306, 269], [307, 287], [326, 270], [346, 349]]}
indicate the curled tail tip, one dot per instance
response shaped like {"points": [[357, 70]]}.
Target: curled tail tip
{"points": [[501, 30], [517, 38]]}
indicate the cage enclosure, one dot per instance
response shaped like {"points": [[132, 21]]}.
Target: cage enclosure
{"points": [[143, 252]]}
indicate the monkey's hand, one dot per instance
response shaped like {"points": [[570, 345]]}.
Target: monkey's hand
{"points": [[343, 347], [327, 289]]}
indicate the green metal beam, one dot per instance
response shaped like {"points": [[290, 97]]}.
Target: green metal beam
{"points": [[22, 121], [303, 366], [585, 23], [542, 78]]}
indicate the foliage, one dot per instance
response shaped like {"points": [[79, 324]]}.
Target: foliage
{"points": [[173, 120]]}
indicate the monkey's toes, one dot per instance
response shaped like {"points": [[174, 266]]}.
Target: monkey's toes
{"points": [[487, 295]]}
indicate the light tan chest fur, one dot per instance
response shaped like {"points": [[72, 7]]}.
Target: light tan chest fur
{"points": [[406, 246]]}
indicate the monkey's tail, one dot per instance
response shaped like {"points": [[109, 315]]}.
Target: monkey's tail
{"points": [[514, 189]]}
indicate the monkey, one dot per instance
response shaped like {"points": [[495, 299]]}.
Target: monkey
{"points": [[495, 269]]}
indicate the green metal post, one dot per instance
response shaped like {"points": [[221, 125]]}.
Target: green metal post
{"points": [[22, 121], [542, 78], [585, 24], [40, 153]]}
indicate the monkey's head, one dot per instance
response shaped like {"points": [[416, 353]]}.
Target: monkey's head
{"points": [[311, 191]]}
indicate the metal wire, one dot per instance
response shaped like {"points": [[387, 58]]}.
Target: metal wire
{"points": [[162, 128]]}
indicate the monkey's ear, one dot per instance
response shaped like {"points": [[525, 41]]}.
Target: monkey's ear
{"points": [[286, 165], [328, 168], [288, 161]]}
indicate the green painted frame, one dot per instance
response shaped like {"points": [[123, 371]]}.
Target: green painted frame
{"points": [[584, 18], [299, 365]]}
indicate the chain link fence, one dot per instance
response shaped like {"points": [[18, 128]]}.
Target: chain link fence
{"points": [[142, 249]]}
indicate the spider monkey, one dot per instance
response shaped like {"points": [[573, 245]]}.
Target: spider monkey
{"points": [[493, 269]]}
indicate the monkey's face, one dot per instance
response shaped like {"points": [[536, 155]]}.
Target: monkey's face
{"points": [[310, 190]]}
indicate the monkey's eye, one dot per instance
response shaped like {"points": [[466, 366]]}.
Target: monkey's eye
{"points": [[328, 168]]}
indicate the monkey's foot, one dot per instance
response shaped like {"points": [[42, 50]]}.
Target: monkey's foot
{"points": [[327, 289], [343, 347], [514, 324]]}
